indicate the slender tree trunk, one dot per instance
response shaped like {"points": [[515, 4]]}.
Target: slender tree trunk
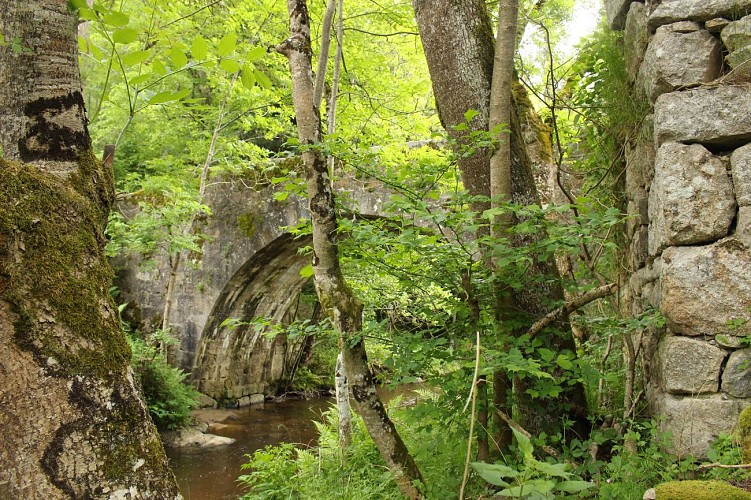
{"points": [[499, 120], [459, 47], [73, 422], [343, 309], [342, 405]]}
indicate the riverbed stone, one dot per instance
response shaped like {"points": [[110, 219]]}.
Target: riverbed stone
{"points": [[671, 11], [691, 200], [635, 38], [707, 289], [736, 379], [718, 116], [189, 437], [737, 39], [205, 401], [695, 422], [740, 166], [679, 58], [689, 366]]}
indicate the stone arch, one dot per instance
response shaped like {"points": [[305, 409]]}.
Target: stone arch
{"points": [[232, 363]]}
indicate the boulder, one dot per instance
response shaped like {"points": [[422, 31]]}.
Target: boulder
{"points": [[743, 228], [691, 200], [671, 11], [616, 11], [736, 379], [189, 437], [689, 366], [678, 57], [715, 25], [740, 166], [635, 38], [695, 422], [737, 39], [205, 401], [707, 290], [718, 116]]}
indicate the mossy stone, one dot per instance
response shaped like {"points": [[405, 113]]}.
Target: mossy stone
{"points": [[700, 490]]}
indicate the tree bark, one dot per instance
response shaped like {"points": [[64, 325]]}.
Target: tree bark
{"points": [[458, 42], [74, 424], [335, 296]]}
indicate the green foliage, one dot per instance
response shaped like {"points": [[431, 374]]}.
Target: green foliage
{"points": [[533, 479], [286, 471], [169, 399]]}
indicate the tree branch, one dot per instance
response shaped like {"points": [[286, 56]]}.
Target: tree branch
{"points": [[571, 306]]}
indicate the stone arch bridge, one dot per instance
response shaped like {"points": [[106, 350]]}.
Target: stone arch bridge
{"points": [[249, 268]]}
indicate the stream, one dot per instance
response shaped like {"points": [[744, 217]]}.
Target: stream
{"points": [[211, 473]]}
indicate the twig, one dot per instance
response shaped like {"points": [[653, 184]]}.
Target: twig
{"points": [[473, 398], [571, 306]]}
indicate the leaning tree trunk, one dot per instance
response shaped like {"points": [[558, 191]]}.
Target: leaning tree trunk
{"points": [[458, 42], [335, 296], [73, 423]]}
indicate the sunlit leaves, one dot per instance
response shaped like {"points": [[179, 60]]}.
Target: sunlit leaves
{"points": [[136, 57], [247, 77], [125, 35], [229, 65], [255, 53], [199, 49], [116, 19], [227, 44], [178, 57]]}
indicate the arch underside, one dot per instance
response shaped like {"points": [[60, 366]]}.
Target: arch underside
{"points": [[235, 362]]}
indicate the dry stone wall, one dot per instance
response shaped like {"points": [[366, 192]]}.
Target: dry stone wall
{"points": [[688, 181]]}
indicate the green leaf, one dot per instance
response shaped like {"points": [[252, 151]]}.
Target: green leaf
{"points": [[555, 470], [199, 49], [573, 486], [247, 78], [116, 19], [158, 67], [227, 44], [77, 4], [469, 114], [125, 36], [178, 57], [494, 473], [138, 80], [256, 53], [564, 362], [262, 79], [525, 445], [307, 271], [162, 97], [133, 58], [229, 65]]}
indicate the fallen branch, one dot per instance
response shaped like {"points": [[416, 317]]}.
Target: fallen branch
{"points": [[571, 306], [723, 466]]}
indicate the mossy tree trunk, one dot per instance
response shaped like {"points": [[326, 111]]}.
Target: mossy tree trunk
{"points": [[73, 422], [458, 42], [335, 296]]}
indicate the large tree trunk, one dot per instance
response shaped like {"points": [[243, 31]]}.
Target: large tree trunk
{"points": [[458, 41], [73, 423], [335, 296]]}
